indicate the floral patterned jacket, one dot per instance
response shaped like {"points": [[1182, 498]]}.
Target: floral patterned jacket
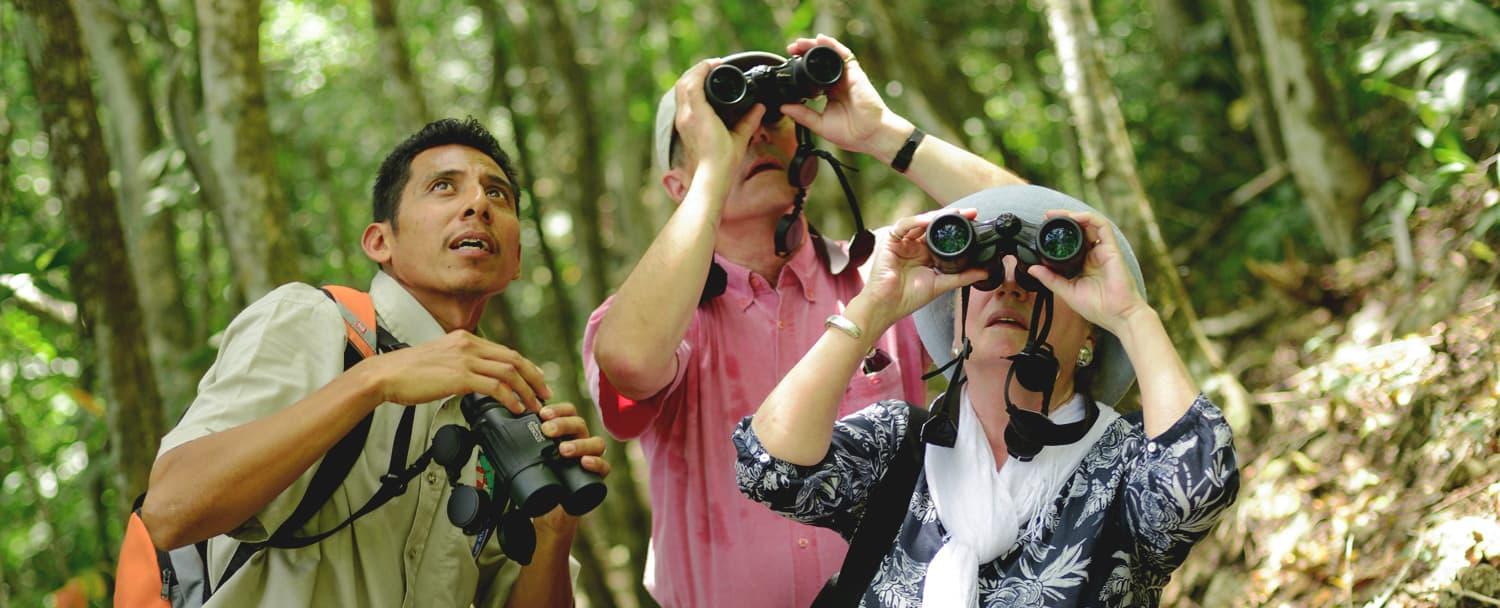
{"points": [[1124, 521]]}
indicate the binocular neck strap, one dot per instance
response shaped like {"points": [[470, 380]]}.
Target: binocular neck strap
{"points": [[1036, 348], [942, 427], [1041, 324], [788, 222], [806, 152]]}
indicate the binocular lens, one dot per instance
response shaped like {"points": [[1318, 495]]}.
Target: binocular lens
{"points": [[726, 85], [949, 235], [536, 490], [1061, 239], [823, 65], [584, 498]]}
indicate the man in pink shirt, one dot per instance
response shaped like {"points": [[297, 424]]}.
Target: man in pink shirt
{"points": [[678, 367]]}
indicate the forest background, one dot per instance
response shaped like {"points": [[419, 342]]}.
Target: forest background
{"points": [[1311, 186]]}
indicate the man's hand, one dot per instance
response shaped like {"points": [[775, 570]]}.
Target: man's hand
{"points": [[561, 420], [703, 134], [856, 118], [457, 364]]}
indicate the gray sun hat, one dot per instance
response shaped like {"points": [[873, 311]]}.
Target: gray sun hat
{"points": [[666, 109], [1113, 373]]}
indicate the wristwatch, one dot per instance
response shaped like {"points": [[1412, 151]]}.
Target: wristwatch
{"points": [[903, 158]]}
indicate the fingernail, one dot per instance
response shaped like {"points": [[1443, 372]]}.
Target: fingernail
{"points": [[567, 449], [549, 427]]}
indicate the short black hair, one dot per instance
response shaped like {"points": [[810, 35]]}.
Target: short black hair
{"points": [[395, 170]]}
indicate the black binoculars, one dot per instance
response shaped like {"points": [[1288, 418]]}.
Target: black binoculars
{"points": [[530, 474], [732, 91], [959, 244]]}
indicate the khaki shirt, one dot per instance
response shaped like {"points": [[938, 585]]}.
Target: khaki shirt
{"points": [[406, 553]]}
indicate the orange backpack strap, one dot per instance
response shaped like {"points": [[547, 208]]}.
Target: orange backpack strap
{"points": [[358, 310], [365, 337], [144, 576], [148, 577]]}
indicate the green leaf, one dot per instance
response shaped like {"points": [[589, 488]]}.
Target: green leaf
{"points": [[62, 257], [1450, 88], [1390, 57], [801, 20], [1468, 15], [1482, 251]]}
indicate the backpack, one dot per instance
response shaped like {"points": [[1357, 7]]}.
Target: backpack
{"points": [[154, 578]]}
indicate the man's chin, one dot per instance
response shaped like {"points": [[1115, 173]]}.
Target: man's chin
{"points": [[761, 201], [475, 282]]}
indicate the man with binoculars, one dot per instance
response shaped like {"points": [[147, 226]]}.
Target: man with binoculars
{"points": [[283, 392], [733, 291]]}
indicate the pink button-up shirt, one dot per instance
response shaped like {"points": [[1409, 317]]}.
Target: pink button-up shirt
{"points": [[712, 547]]}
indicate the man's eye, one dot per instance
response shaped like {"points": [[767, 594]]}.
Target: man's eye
{"points": [[495, 193], [442, 186]]}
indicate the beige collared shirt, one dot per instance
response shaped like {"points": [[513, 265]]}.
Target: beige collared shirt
{"points": [[406, 553]]}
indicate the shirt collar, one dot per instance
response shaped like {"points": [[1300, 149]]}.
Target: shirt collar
{"points": [[802, 272], [400, 312]]}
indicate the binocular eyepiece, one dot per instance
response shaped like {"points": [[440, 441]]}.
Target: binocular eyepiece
{"points": [[959, 244], [732, 91], [529, 472]]}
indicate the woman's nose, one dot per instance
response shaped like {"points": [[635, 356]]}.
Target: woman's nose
{"points": [[1012, 284]]}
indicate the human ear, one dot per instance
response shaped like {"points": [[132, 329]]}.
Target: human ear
{"points": [[676, 182], [377, 241]]}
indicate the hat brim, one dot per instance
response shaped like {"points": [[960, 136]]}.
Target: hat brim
{"points": [[1113, 373]]}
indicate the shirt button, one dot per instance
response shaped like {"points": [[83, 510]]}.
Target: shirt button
{"points": [[432, 477], [802, 542], [411, 554], [780, 324], [875, 381], [1151, 447]]}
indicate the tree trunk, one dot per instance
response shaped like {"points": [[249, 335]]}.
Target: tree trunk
{"points": [[254, 210], [1248, 57], [107, 296], [588, 166], [151, 234], [1109, 165], [624, 518], [913, 50], [401, 85], [1332, 178]]}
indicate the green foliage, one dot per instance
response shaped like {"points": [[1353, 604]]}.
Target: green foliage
{"points": [[1442, 61], [1416, 79]]}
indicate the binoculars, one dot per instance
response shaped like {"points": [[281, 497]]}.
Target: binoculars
{"points": [[959, 244], [732, 91], [530, 475]]}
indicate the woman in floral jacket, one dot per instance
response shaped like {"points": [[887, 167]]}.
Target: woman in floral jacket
{"points": [[1101, 521]]}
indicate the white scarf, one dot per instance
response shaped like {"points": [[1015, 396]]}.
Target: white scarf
{"points": [[983, 510]]}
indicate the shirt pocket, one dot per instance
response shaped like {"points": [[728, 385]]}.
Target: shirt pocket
{"points": [[865, 389]]}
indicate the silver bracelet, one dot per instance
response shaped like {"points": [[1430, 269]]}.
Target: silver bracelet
{"points": [[843, 324]]}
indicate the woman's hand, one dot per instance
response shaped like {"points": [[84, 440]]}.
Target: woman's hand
{"points": [[1104, 293], [901, 276]]}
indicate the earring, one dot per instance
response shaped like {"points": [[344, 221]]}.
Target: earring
{"points": [[1085, 356]]}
